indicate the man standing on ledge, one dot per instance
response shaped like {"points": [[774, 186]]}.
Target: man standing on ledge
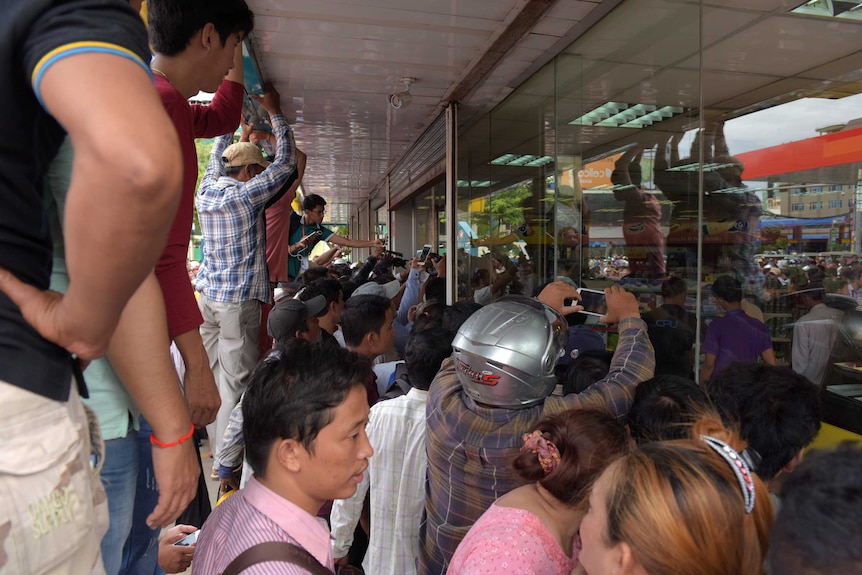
{"points": [[303, 235], [198, 46], [232, 279]]}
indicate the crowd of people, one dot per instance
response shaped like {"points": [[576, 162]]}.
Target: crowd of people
{"points": [[354, 416]]}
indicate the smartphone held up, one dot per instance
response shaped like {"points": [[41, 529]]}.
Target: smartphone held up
{"points": [[593, 302]]}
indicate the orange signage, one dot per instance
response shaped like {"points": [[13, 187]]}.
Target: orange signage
{"points": [[598, 174]]}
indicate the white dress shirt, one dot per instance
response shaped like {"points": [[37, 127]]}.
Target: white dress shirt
{"points": [[396, 474], [813, 337]]}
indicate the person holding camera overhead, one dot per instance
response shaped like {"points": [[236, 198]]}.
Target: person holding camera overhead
{"points": [[306, 230], [233, 279]]}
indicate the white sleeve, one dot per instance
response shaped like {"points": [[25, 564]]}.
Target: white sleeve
{"points": [[344, 517]]}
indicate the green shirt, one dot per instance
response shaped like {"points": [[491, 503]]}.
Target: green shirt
{"points": [[108, 398]]}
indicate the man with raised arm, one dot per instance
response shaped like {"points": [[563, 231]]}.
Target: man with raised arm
{"points": [[232, 279], [494, 389], [198, 47]]}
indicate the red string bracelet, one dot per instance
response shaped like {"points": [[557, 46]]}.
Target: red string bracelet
{"points": [[163, 445]]}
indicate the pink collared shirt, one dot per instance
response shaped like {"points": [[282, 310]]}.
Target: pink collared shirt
{"points": [[256, 515]]}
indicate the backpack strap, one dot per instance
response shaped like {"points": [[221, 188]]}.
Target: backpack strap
{"points": [[280, 551]]}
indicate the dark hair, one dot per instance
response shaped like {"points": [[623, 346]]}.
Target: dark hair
{"points": [[834, 286], [727, 288], [481, 274], [776, 410], [814, 290], [816, 274], [172, 24], [314, 273], [424, 352], [233, 171], [586, 369], [292, 393], [817, 527], [588, 439], [363, 314], [456, 314], [435, 288], [664, 408], [329, 288], [348, 287], [339, 270], [673, 287], [290, 288], [431, 315], [312, 201]]}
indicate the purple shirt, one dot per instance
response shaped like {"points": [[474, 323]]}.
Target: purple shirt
{"points": [[257, 515], [736, 337]]}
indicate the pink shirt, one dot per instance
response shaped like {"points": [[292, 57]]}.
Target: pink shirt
{"points": [[256, 515], [510, 540], [277, 226]]}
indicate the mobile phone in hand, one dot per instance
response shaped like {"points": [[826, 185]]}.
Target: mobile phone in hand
{"points": [[593, 302], [423, 255], [189, 539]]}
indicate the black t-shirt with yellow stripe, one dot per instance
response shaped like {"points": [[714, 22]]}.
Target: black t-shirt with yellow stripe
{"points": [[35, 35]]}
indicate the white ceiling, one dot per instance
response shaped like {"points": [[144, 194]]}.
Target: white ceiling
{"points": [[338, 60]]}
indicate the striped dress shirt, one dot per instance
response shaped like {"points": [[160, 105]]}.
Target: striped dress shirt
{"points": [[255, 515], [396, 473], [471, 447], [233, 223]]}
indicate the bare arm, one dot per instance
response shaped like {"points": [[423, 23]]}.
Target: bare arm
{"points": [[504, 278], [768, 356], [343, 241], [707, 368], [326, 257], [201, 392], [139, 354], [127, 196]]}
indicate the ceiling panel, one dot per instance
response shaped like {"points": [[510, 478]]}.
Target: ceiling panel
{"points": [[759, 5], [335, 63], [785, 45]]}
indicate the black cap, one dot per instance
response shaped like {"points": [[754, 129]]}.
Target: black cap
{"points": [[289, 315]]}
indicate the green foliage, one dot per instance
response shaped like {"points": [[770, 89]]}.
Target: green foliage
{"points": [[504, 211], [204, 148]]}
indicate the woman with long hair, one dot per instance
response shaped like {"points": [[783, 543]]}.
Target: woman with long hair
{"points": [[692, 506], [534, 528]]}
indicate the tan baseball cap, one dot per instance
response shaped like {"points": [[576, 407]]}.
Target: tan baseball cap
{"points": [[243, 154]]}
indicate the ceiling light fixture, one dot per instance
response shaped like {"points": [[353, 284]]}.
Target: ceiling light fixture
{"points": [[623, 115], [475, 183], [522, 160], [842, 9]]}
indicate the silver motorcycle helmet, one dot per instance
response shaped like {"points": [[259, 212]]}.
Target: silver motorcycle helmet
{"points": [[505, 353]]}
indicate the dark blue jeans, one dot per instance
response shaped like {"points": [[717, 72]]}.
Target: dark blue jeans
{"points": [[119, 478], [141, 551]]}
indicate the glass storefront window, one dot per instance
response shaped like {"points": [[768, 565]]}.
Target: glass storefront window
{"points": [[678, 139]]}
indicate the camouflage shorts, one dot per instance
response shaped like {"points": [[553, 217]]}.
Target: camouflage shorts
{"points": [[53, 510]]}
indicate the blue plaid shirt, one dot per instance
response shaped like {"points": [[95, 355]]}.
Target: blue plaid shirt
{"points": [[232, 220], [471, 447]]}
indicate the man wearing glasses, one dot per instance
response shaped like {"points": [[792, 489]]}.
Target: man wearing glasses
{"points": [[306, 231]]}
